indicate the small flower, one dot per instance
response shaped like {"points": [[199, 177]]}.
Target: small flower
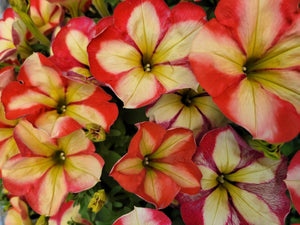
{"points": [[97, 201], [248, 60], [48, 169], [156, 159], [189, 109], [75, 7], [144, 53], [239, 185], [45, 15], [143, 216], [68, 213], [18, 214], [53, 103]]}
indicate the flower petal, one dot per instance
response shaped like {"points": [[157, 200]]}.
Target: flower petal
{"points": [[83, 171], [293, 180], [143, 216]]}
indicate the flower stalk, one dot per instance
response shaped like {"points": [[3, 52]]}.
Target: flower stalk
{"points": [[101, 7]]}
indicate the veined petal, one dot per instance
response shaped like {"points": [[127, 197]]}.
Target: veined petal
{"points": [[75, 142], [56, 125], [143, 216], [219, 57], [186, 175], [256, 23], [20, 174], [251, 206], [131, 87], [216, 208], [154, 184], [77, 91], [209, 178], [226, 152], [256, 109], [176, 43], [165, 109], [19, 100], [39, 72], [130, 166], [33, 140], [293, 180], [112, 56], [83, 171], [150, 130], [49, 193], [283, 83], [175, 77], [261, 171], [175, 145]]}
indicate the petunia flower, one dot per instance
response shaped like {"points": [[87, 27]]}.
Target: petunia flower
{"points": [[45, 15], [158, 164], [12, 37], [293, 180], [67, 213], [189, 109], [70, 45], [143, 216], [53, 103], [248, 60], [18, 214], [74, 7], [48, 169], [239, 185], [144, 53]]}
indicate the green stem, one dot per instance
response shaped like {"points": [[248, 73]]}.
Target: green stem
{"points": [[101, 7]]}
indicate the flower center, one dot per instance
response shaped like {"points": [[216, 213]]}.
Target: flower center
{"points": [[61, 107], [59, 157], [221, 179], [187, 96], [147, 67], [146, 161]]}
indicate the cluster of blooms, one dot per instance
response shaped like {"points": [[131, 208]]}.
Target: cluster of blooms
{"points": [[200, 82]]}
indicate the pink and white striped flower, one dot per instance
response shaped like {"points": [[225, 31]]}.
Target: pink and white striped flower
{"points": [[48, 169], [239, 185], [144, 53], [189, 109], [158, 158], [143, 216], [248, 60], [293, 180], [53, 103]]}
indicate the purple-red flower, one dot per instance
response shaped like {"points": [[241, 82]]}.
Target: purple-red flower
{"points": [[248, 60], [54, 103], [239, 185], [158, 164], [47, 169], [143, 216], [144, 53]]}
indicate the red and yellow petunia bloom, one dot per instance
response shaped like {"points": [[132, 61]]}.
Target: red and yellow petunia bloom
{"points": [[18, 214], [144, 53], [239, 185], [48, 169], [248, 60], [158, 164], [143, 216], [54, 103]]}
